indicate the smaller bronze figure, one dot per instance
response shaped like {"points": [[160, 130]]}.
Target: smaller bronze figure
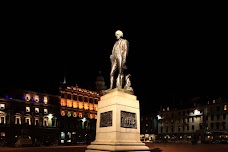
{"points": [[127, 86]]}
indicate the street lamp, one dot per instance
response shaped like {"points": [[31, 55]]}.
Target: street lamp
{"points": [[84, 119], [196, 112], [50, 116]]}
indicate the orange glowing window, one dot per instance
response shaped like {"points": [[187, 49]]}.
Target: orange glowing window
{"points": [[74, 114], [95, 107], [63, 102], [91, 116], [75, 105], [91, 107], [63, 113], [225, 107], [80, 115], [86, 106], [80, 105], [69, 103]]}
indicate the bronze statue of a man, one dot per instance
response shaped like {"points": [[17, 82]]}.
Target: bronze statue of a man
{"points": [[118, 59]]}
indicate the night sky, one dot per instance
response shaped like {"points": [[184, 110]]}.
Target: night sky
{"points": [[172, 54]]}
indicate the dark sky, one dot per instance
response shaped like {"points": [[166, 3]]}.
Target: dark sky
{"points": [[172, 53]]}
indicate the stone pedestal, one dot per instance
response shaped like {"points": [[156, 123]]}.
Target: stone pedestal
{"points": [[118, 124]]}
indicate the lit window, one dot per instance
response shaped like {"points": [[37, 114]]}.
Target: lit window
{"points": [[45, 122], [63, 113], [80, 115], [2, 106], [91, 116], [69, 103], [225, 107], [2, 134], [63, 102], [27, 109], [75, 104], [2, 119], [68, 113], [213, 101], [45, 111], [45, 100], [36, 110], [74, 114], [80, 105], [17, 119], [37, 121], [36, 98], [69, 135], [62, 135], [28, 120], [27, 97]]}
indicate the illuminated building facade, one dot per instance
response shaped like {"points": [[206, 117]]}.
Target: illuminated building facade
{"points": [[179, 124], [216, 119], [199, 122], [28, 114], [78, 113]]}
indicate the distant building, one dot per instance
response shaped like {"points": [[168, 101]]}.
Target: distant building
{"points": [[29, 114], [216, 119], [68, 118], [179, 124], [78, 111], [199, 121], [65, 117]]}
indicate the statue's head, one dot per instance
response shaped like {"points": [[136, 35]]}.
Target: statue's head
{"points": [[119, 34]]}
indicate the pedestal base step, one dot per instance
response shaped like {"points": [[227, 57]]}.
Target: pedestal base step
{"points": [[141, 147]]}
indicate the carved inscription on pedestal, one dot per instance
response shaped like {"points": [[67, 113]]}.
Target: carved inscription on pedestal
{"points": [[106, 119], [128, 120]]}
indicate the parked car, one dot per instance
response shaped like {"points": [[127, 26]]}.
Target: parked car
{"points": [[23, 142], [47, 143], [223, 141], [208, 142]]}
